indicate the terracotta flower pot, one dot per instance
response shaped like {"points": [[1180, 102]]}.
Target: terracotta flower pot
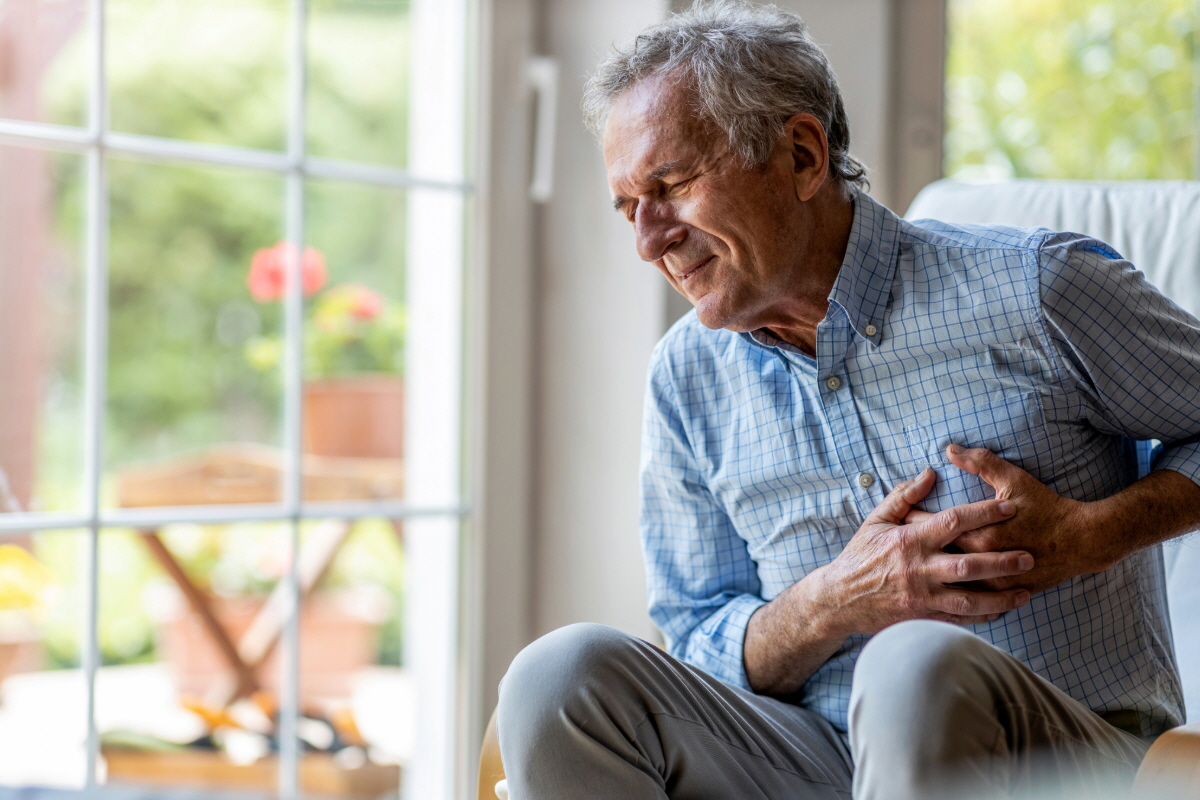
{"points": [[338, 632], [357, 416]]}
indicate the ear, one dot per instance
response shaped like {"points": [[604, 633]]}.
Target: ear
{"points": [[808, 153]]}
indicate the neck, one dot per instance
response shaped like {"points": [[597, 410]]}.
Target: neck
{"points": [[829, 224]]}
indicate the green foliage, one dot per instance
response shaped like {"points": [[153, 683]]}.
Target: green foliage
{"points": [[357, 73], [212, 72], [180, 241], [338, 342], [1072, 89]]}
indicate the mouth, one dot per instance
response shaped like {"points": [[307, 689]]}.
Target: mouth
{"points": [[683, 276]]}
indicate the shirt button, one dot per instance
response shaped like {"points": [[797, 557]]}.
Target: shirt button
{"points": [[833, 383], [871, 330], [865, 480]]}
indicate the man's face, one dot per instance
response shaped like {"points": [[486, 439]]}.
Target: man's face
{"points": [[729, 239]]}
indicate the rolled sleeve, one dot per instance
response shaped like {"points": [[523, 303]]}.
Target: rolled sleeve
{"points": [[703, 585], [1182, 458], [1133, 354]]}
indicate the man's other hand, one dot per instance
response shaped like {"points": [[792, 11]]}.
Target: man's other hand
{"points": [[1055, 529], [894, 570]]}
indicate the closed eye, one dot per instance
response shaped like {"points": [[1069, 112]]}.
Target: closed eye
{"points": [[627, 206], [675, 187]]}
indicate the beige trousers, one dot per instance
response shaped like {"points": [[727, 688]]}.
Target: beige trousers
{"points": [[935, 712]]}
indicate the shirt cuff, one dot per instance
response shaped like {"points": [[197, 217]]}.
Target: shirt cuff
{"points": [[716, 644], [1183, 458]]}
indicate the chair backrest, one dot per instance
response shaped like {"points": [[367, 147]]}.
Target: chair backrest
{"points": [[1154, 224]]}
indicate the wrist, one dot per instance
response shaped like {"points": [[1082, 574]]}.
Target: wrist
{"points": [[1096, 524], [828, 613]]}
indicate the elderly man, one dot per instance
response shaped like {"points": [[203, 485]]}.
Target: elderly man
{"points": [[867, 429]]}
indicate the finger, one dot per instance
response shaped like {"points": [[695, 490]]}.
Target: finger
{"points": [[945, 526], [980, 540], [1000, 584], [900, 500], [917, 515], [946, 568], [965, 603], [997, 472]]}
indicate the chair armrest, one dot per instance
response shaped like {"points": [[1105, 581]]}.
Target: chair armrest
{"points": [[491, 771], [1171, 768]]}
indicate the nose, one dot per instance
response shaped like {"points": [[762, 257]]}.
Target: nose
{"points": [[657, 229]]}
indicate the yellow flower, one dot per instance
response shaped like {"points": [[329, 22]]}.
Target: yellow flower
{"points": [[22, 578]]}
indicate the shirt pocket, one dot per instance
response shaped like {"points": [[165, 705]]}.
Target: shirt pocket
{"points": [[1010, 427]]}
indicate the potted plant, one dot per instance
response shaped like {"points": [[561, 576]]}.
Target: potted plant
{"points": [[353, 357]]}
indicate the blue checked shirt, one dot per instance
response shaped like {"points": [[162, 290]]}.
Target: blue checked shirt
{"points": [[759, 463]]}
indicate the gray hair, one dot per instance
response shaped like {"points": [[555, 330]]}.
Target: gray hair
{"points": [[750, 68]]}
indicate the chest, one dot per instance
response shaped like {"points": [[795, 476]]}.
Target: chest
{"points": [[802, 459]]}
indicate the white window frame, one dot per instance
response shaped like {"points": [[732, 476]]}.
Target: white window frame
{"points": [[433, 510]]}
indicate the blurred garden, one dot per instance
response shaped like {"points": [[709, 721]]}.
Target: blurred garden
{"points": [[193, 348], [1075, 89]]}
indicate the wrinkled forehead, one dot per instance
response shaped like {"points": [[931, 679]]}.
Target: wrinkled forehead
{"points": [[651, 123]]}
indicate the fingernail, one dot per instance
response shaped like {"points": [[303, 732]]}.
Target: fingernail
{"points": [[1022, 598], [956, 449], [1006, 507], [1025, 562]]}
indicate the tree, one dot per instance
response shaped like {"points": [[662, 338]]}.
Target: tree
{"points": [[1072, 89]]}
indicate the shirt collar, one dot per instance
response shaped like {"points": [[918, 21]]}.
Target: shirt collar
{"points": [[864, 282]]}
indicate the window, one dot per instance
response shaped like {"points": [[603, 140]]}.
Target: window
{"points": [[1072, 89], [231, 263]]}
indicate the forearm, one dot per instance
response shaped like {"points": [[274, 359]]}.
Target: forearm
{"points": [[789, 638], [1160, 506]]}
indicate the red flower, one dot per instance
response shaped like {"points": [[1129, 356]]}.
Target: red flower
{"points": [[268, 271], [367, 303]]}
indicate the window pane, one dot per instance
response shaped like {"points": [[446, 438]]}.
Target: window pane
{"points": [[214, 71], [354, 343], [43, 692], [195, 336], [43, 50], [170, 708], [41, 319], [358, 700], [1072, 89], [358, 80]]}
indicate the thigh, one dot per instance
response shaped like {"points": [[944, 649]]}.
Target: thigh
{"points": [[591, 701], [720, 741], [979, 716]]}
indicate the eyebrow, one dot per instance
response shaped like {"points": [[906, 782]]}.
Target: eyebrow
{"points": [[663, 171]]}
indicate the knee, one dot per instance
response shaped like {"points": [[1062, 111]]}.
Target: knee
{"points": [[559, 672], [916, 697], [915, 655], [916, 667]]}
